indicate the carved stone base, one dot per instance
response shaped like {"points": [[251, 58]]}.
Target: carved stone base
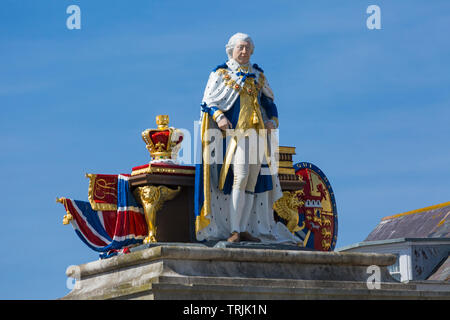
{"points": [[194, 271]]}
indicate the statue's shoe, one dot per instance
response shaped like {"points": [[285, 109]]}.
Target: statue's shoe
{"points": [[234, 237], [245, 236]]}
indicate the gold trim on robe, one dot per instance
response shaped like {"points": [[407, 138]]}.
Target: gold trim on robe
{"points": [[202, 221], [249, 109]]}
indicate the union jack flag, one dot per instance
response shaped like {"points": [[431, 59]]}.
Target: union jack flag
{"points": [[109, 232]]}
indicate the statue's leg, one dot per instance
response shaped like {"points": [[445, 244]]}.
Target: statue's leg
{"points": [[237, 206], [247, 212], [249, 199], [240, 171], [253, 168]]}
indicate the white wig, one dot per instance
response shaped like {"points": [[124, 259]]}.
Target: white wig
{"points": [[234, 40]]}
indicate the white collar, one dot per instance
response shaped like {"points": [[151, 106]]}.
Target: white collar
{"points": [[234, 65]]}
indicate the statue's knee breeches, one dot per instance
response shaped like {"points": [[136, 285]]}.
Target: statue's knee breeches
{"points": [[245, 171], [245, 176]]}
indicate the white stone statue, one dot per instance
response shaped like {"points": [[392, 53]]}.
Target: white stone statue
{"points": [[234, 198]]}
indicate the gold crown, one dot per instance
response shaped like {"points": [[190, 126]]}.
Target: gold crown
{"points": [[164, 142]]}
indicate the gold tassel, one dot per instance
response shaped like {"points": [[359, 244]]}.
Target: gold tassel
{"points": [[255, 118], [68, 216]]}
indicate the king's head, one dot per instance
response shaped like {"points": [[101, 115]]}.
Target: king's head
{"points": [[240, 47]]}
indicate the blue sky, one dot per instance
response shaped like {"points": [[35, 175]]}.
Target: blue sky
{"points": [[371, 108]]}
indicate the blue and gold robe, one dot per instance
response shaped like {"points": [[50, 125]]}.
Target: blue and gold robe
{"points": [[243, 95]]}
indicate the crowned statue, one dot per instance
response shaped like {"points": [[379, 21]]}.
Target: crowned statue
{"points": [[235, 195]]}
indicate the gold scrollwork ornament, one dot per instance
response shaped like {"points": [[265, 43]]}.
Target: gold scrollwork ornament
{"points": [[152, 199]]}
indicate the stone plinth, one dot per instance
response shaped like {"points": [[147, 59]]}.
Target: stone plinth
{"points": [[195, 271]]}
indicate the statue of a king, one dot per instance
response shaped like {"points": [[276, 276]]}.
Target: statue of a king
{"points": [[234, 193]]}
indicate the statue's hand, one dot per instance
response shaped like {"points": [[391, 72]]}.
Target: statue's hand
{"points": [[224, 123]]}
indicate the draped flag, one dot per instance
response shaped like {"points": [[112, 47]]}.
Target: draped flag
{"points": [[109, 231]]}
